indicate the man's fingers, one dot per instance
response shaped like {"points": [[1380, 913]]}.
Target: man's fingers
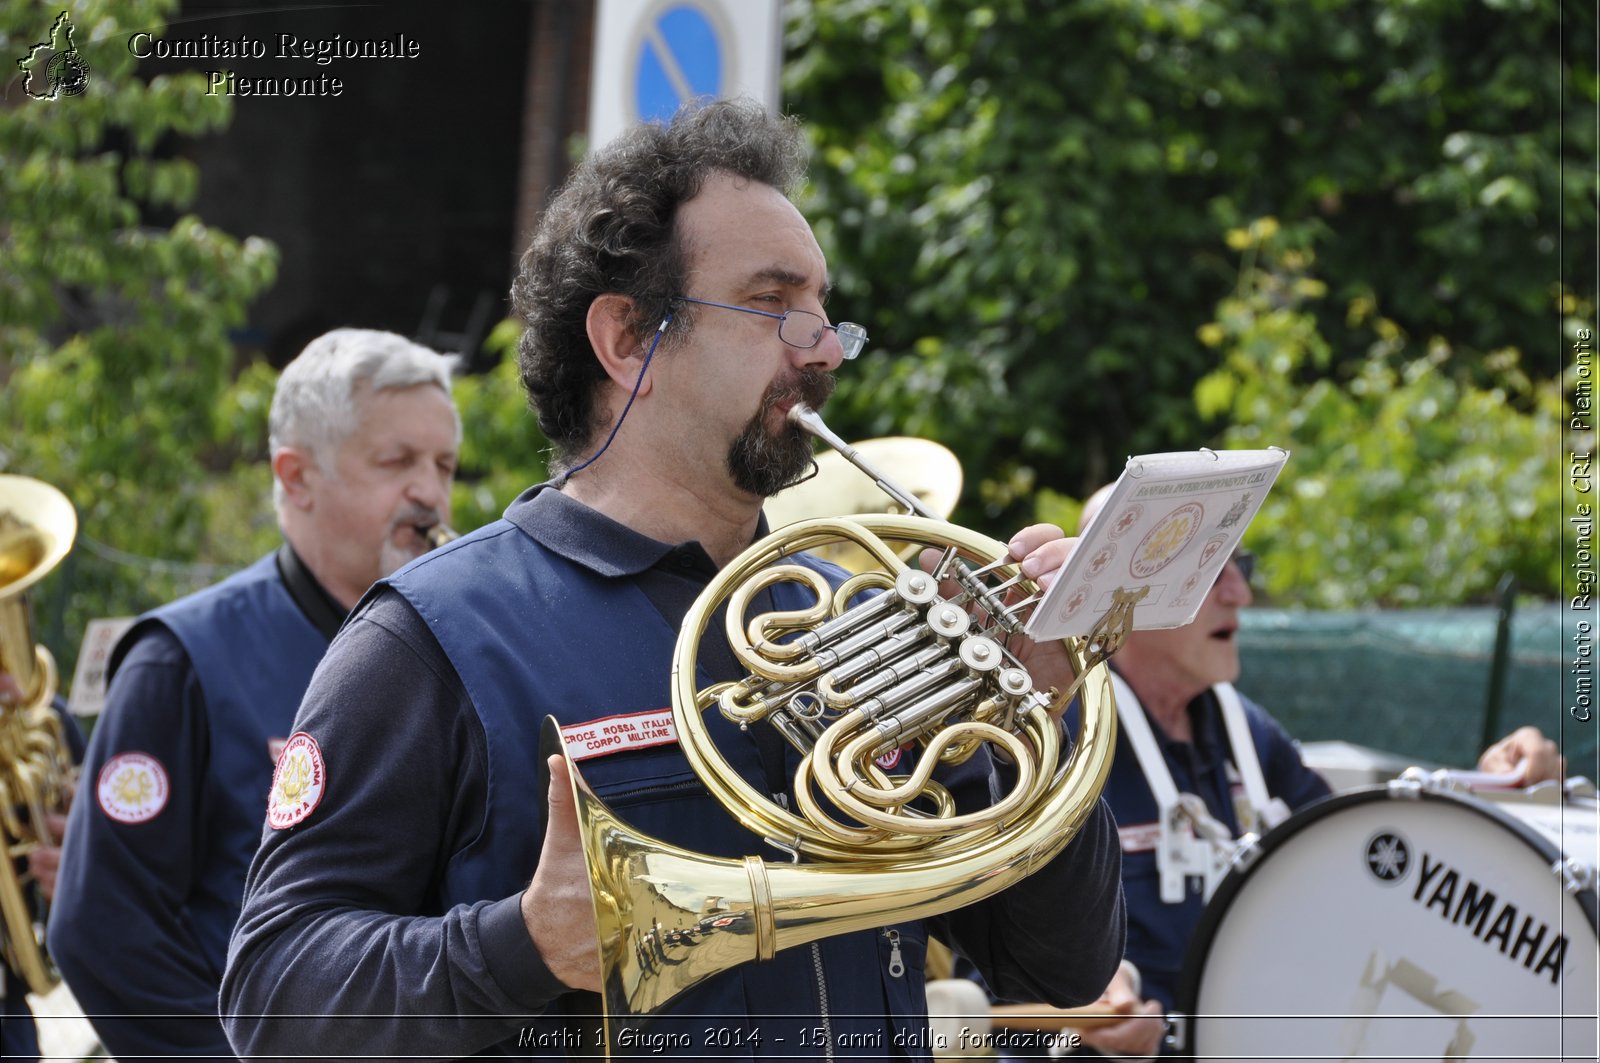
{"points": [[1041, 550], [562, 808], [557, 907], [1526, 748], [1139, 1035], [1032, 537], [56, 824], [44, 863]]}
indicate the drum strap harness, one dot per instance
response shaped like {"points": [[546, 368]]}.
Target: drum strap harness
{"points": [[1192, 840]]}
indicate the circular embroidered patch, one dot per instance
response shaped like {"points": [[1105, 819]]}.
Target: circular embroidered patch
{"points": [[132, 788], [296, 782]]}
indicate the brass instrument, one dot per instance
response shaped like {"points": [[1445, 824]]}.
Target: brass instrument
{"points": [[846, 683], [925, 469], [37, 526], [436, 535]]}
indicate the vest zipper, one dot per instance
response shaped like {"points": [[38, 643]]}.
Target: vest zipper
{"points": [[897, 963], [822, 1005]]}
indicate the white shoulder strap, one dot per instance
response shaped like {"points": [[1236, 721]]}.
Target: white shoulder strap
{"points": [[1191, 841], [1134, 723], [1270, 811]]}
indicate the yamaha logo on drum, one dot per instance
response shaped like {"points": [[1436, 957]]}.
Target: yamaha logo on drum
{"points": [[1388, 857], [1473, 909]]}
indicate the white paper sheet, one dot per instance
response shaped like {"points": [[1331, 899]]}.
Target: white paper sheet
{"points": [[1169, 525]]}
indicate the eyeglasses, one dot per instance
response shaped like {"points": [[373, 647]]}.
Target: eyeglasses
{"points": [[1246, 562], [802, 328]]}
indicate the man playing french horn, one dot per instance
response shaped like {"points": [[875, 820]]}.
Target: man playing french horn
{"points": [[674, 299]]}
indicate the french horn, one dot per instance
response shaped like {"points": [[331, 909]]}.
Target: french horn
{"points": [[924, 659], [37, 527]]}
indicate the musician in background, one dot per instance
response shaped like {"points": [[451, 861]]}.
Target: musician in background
{"points": [[674, 298], [1182, 679], [1538, 758], [19, 1036], [203, 692]]}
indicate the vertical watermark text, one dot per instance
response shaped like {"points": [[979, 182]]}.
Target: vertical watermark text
{"points": [[1580, 526]]}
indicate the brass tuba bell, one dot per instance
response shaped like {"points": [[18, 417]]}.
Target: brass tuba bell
{"points": [[926, 470], [845, 682], [37, 526]]}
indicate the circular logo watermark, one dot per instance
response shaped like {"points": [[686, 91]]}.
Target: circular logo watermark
{"points": [[1166, 540], [67, 74]]}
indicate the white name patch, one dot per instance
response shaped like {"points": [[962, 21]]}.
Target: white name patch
{"points": [[613, 734], [1139, 837]]}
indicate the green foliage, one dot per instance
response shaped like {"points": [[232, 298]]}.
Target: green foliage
{"points": [[1026, 204], [1052, 507], [117, 374], [502, 450], [1410, 481]]}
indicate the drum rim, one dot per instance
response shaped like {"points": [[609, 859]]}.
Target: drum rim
{"points": [[1188, 991]]}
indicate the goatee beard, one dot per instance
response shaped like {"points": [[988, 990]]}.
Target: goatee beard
{"points": [[765, 463]]}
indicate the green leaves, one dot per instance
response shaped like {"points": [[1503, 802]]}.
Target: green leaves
{"points": [[1410, 482], [117, 371], [502, 450], [1037, 210]]}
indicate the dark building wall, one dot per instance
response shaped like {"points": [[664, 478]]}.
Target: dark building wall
{"points": [[560, 50], [404, 188]]}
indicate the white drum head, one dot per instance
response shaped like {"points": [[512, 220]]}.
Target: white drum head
{"points": [[1379, 926]]}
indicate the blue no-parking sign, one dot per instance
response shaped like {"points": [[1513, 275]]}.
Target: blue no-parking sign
{"points": [[652, 56], [679, 58]]}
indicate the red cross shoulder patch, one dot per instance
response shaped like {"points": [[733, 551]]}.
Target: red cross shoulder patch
{"points": [[297, 782]]}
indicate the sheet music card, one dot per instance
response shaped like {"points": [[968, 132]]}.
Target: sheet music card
{"points": [[1170, 524]]}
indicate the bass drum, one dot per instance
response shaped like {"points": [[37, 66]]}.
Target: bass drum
{"points": [[1404, 923]]}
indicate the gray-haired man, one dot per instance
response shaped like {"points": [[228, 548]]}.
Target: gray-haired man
{"points": [[204, 690]]}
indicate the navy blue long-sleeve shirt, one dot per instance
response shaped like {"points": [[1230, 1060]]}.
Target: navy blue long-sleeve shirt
{"points": [[143, 908]]}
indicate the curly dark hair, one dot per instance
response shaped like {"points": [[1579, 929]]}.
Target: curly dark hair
{"points": [[611, 229]]}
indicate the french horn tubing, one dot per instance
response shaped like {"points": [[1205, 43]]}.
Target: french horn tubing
{"points": [[923, 659]]}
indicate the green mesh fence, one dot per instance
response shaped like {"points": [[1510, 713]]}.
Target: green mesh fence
{"points": [[1413, 682]]}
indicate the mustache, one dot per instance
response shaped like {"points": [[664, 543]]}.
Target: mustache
{"points": [[416, 516], [764, 461], [811, 386]]}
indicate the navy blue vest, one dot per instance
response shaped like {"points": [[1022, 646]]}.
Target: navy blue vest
{"points": [[532, 634], [253, 652]]}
